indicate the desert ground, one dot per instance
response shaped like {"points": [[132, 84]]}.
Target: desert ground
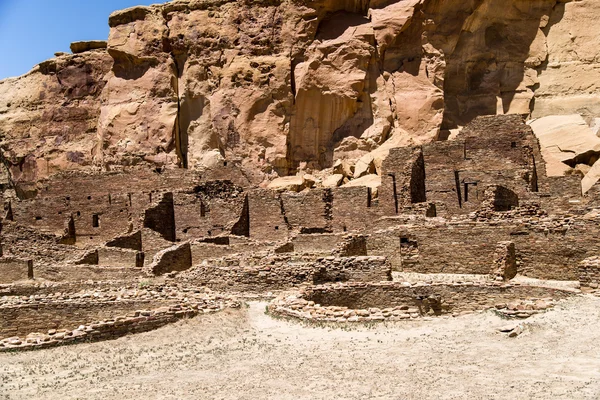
{"points": [[245, 354]]}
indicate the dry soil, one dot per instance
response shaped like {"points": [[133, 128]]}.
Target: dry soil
{"points": [[245, 354]]}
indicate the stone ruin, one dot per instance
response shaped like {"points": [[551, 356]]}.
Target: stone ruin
{"points": [[145, 249], [347, 161]]}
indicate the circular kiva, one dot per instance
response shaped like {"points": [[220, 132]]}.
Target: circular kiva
{"points": [[395, 301]]}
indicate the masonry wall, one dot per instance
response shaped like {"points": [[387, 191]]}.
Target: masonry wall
{"points": [[555, 253], [14, 270], [348, 269], [24, 319], [451, 298], [115, 257], [268, 220], [561, 193], [263, 274], [354, 208], [317, 243], [459, 171], [81, 273], [310, 211], [469, 247]]}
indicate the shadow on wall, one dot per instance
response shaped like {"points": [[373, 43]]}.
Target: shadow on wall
{"points": [[485, 74]]}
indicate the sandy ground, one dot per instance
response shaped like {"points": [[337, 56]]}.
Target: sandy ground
{"points": [[245, 354]]}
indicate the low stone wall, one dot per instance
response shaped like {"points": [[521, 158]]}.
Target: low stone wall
{"points": [[323, 243], [345, 269], [363, 302], [589, 273], [32, 288], [173, 259], [254, 279], [546, 248], [283, 271], [112, 328], [20, 315], [117, 257], [14, 270], [353, 245], [202, 251], [68, 273]]}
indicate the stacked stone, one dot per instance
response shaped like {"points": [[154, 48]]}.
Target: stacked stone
{"points": [[351, 245], [343, 269], [163, 293], [524, 309], [589, 273], [134, 322], [308, 310], [525, 210], [505, 261], [412, 303], [254, 278], [286, 271]]}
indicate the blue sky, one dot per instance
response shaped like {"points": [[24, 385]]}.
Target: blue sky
{"points": [[31, 31]]}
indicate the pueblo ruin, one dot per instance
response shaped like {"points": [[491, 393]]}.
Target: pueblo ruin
{"points": [[336, 158]]}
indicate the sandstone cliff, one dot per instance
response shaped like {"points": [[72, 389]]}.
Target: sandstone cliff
{"points": [[277, 86]]}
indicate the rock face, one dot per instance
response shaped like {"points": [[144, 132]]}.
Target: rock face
{"points": [[49, 118], [274, 87]]}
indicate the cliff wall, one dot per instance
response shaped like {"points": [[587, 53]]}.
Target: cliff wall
{"points": [[274, 86]]}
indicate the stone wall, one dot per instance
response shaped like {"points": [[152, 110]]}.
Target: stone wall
{"points": [[265, 273], [43, 321], [173, 259], [77, 273], [317, 243], [589, 273], [346, 269], [13, 270], [367, 302], [353, 207], [309, 211], [22, 319], [545, 247], [268, 220], [116, 257]]}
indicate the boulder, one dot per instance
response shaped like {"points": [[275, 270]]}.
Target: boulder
{"points": [[364, 166], [292, 183], [371, 181], [565, 138], [81, 47], [344, 168], [333, 181], [591, 178]]}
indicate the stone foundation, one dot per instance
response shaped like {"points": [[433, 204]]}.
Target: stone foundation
{"points": [[589, 273], [285, 271], [364, 302], [112, 328]]}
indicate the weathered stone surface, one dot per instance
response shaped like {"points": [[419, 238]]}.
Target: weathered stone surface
{"points": [[372, 181], [175, 258], [81, 47], [49, 118], [565, 137], [89, 258], [291, 183], [567, 141], [334, 180], [273, 87]]}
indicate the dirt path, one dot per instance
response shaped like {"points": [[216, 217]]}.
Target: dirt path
{"points": [[248, 355]]}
